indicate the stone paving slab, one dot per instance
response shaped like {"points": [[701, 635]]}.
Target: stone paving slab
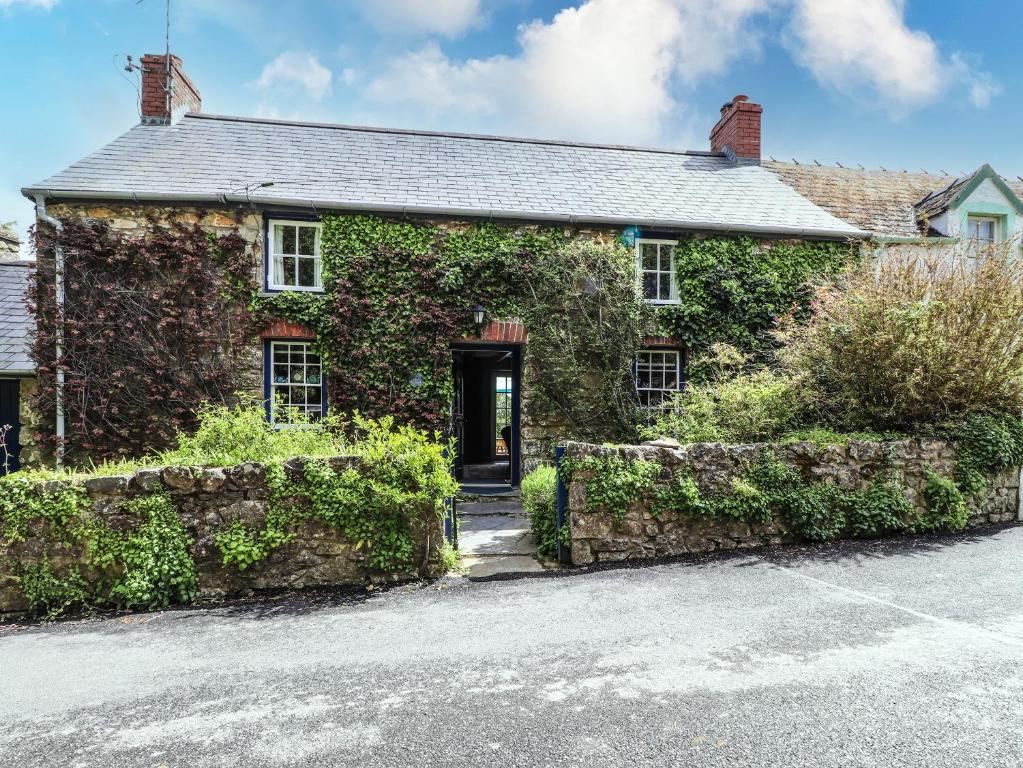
{"points": [[508, 539], [477, 567], [510, 508]]}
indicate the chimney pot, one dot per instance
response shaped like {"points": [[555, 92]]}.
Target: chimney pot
{"points": [[738, 130], [184, 96]]}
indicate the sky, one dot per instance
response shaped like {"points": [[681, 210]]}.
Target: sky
{"points": [[900, 84]]}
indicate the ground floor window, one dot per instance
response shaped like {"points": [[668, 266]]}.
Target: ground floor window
{"points": [[295, 388], [658, 374]]}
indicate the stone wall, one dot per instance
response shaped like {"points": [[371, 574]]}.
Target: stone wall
{"points": [[598, 537], [208, 500]]}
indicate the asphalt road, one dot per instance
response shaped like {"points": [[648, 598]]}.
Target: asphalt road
{"points": [[898, 654]]}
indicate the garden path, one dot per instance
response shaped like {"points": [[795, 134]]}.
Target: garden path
{"points": [[494, 538]]}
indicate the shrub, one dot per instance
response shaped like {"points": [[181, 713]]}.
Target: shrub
{"points": [[732, 289], [540, 500], [229, 435], [946, 504], [986, 444], [747, 408], [916, 341]]}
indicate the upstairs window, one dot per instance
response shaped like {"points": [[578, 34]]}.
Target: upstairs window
{"points": [[296, 383], [982, 233], [655, 261], [294, 259], [658, 374]]}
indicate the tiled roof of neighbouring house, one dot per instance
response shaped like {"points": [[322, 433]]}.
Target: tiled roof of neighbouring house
{"points": [[206, 157], [16, 324], [887, 203]]}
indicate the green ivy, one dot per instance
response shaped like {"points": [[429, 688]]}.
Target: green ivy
{"points": [[401, 472], [155, 559], [946, 503], [50, 594], [986, 444], [767, 489], [148, 566], [733, 290], [613, 484]]}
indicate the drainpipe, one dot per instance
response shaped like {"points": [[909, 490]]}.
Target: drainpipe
{"points": [[58, 257]]}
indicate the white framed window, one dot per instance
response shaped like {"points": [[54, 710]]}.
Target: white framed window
{"points": [[296, 381], [293, 263], [655, 265], [982, 233], [658, 375]]}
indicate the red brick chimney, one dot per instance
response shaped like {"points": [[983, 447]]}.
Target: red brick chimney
{"points": [[184, 97], [738, 130]]}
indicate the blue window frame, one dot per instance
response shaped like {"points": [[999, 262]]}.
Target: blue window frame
{"points": [[293, 382]]}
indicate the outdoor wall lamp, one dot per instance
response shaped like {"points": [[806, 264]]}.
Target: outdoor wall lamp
{"points": [[478, 311]]}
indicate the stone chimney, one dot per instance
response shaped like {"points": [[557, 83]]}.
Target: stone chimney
{"points": [[738, 131], [184, 96], [10, 245]]}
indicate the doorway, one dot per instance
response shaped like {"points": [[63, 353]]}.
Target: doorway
{"points": [[10, 425], [485, 416]]}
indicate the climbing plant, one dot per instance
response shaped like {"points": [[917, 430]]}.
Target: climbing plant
{"points": [[152, 327], [768, 489], [397, 293], [157, 325], [734, 289]]}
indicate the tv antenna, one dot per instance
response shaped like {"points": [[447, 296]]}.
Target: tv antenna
{"points": [[132, 67]]}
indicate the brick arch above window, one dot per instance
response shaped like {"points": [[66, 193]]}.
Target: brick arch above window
{"points": [[286, 329]]}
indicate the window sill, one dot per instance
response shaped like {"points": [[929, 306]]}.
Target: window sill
{"points": [[275, 289], [663, 302]]}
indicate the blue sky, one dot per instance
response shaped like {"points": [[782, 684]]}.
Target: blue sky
{"points": [[911, 84]]}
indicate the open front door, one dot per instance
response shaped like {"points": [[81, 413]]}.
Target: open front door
{"points": [[458, 414], [485, 415]]}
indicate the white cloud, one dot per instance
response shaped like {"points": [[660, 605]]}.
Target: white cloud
{"points": [[349, 75], [602, 70], [44, 4], [866, 45], [444, 17], [296, 70], [616, 70]]}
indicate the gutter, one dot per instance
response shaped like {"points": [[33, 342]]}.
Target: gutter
{"points": [[428, 210], [58, 257], [899, 240]]}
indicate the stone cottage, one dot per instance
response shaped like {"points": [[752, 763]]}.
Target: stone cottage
{"points": [[272, 182]]}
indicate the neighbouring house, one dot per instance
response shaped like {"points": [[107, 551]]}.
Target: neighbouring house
{"points": [[283, 186], [907, 211], [17, 371]]}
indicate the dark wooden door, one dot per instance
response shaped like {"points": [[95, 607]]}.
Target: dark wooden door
{"points": [[458, 412], [10, 424]]}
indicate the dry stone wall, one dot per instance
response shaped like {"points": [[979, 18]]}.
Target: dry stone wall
{"points": [[207, 501], [600, 536]]}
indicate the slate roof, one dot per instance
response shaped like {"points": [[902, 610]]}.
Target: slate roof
{"points": [[16, 324], [887, 203], [208, 158]]}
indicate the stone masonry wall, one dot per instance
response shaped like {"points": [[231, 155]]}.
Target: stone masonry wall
{"points": [[597, 537], [208, 500], [10, 245]]}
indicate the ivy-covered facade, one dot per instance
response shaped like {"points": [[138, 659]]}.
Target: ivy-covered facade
{"points": [[387, 305]]}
